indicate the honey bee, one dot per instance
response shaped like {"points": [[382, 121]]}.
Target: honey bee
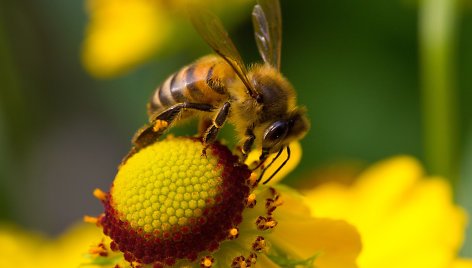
{"points": [[259, 102]]}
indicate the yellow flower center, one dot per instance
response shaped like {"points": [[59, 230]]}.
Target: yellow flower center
{"points": [[157, 198]]}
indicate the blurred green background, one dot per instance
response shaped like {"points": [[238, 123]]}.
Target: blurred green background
{"points": [[358, 66]]}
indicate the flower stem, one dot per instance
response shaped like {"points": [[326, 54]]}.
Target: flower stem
{"points": [[437, 21]]}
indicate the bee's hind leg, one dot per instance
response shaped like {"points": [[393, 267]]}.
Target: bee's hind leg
{"points": [[159, 123], [218, 122], [149, 133]]}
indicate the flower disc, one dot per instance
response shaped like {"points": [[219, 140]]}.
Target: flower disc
{"points": [[168, 202]]}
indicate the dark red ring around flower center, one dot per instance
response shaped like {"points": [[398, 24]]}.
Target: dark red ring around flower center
{"points": [[185, 242]]}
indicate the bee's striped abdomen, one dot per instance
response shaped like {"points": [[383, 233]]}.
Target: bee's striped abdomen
{"points": [[201, 82]]}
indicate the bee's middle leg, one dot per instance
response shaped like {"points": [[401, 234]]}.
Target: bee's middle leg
{"points": [[218, 122]]}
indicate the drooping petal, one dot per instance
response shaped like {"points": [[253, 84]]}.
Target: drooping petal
{"points": [[335, 242], [405, 220], [27, 249]]}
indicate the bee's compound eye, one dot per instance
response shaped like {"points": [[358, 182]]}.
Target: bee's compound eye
{"points": [[275, 132]]}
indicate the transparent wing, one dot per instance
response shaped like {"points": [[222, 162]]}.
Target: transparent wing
{"points": [[267, 21], [213, 32]]}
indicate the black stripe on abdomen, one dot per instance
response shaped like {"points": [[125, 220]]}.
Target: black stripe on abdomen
{"points": [[190, 82], [176, 89]]}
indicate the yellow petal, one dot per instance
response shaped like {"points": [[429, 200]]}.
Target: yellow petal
{"points": [[122, 33], [301, 236], [19, 248], [386, 183]]}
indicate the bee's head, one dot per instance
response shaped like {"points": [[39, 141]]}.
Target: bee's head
{"points": [[285, 130]]}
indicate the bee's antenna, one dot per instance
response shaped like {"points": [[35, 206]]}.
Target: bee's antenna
{"points": [[265, 168], [281, 166]]}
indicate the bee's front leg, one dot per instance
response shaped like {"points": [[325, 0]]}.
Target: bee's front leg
{"points": [[218, 122]]}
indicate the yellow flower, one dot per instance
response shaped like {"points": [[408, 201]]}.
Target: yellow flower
{"points": [[123, 33], [405, 219], [171, 207]]}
